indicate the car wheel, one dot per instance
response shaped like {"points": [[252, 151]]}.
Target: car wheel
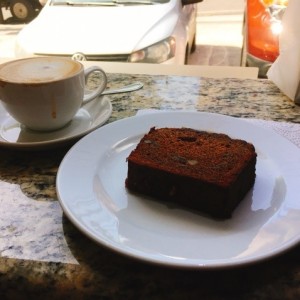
{"points": [[22, 10]]}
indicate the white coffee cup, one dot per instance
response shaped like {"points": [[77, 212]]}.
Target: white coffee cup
{"points": [[45, 93]]}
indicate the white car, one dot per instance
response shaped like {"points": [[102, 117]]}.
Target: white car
{"points": [[146, 31]]}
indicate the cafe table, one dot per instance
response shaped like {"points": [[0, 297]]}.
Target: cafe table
{"points": [[45, 256]]}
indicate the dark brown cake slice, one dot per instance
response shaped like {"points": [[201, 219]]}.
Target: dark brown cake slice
{"points": [[206, 171]]}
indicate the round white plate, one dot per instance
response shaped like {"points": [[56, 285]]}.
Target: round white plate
{"points": [[89, 117], [91, 190]]}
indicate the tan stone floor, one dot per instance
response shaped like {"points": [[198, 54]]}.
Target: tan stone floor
{"points": [[219, 33]]}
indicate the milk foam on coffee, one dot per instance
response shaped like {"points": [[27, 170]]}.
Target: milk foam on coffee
{"points": [[38, 70]]}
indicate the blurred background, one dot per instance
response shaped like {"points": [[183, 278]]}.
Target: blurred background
{"points": [[219, 33], [228, 33]]}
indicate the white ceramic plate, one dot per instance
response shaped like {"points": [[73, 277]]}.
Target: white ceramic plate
{"points": [[89, 117], [90, 186]]}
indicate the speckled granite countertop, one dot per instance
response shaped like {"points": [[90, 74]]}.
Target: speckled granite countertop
{"points": [[43, 256]]}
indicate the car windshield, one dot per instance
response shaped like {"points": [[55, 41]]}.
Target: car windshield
{"points": [[107, 2]]}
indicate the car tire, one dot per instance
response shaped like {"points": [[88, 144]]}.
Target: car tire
{"points": [[22, 10]]}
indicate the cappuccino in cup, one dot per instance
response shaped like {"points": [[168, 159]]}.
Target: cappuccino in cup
{"points": [[45, 93], [41, 70]]}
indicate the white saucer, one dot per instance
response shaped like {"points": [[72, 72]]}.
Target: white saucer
{"points": [[88, 118]]}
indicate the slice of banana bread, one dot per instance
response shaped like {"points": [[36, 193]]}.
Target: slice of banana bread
{"points": [[209, 172]]}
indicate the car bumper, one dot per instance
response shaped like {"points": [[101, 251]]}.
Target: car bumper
{"points": [[262, 65]]}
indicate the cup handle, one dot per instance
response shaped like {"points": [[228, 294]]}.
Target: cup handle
{"points": [[90, 95]]}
